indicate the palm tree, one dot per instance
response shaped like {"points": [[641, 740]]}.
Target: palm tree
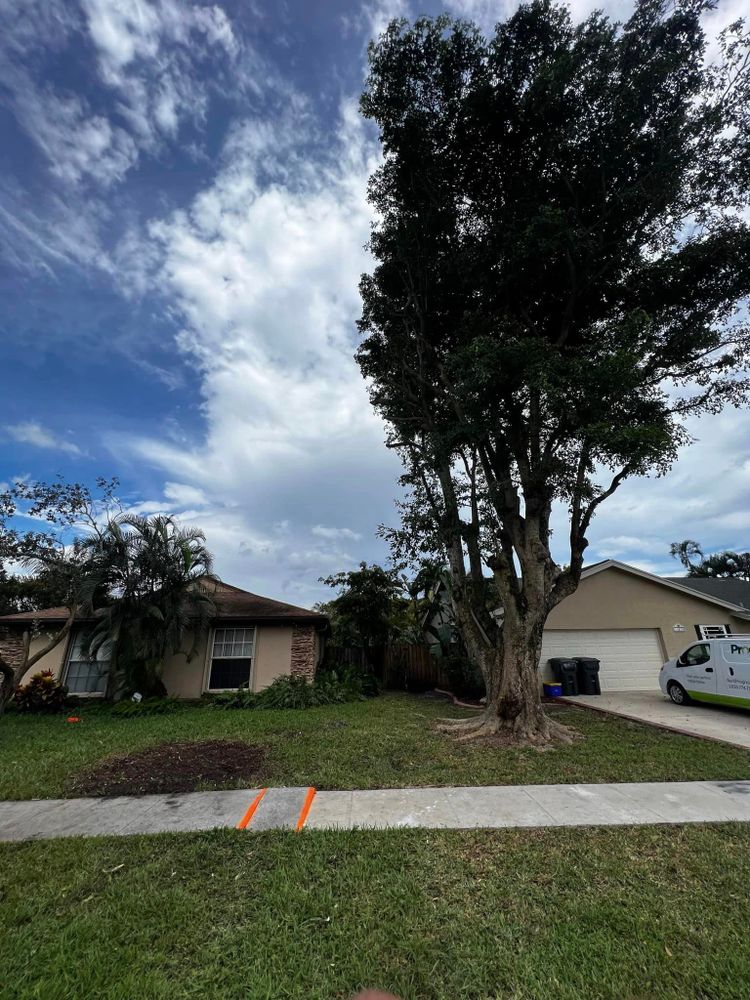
{"points": [[684, 551], [161, 582]]}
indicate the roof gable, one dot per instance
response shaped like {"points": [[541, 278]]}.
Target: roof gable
{"points": [[605, 564]]}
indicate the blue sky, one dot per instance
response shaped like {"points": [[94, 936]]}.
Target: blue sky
{"points": [[182, 220]]}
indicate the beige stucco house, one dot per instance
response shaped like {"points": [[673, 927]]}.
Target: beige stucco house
{"points": [[632, 621], [253, 640]]}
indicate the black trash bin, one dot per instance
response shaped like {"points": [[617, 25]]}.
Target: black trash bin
{"points": [[588, 675], [565, 671]]}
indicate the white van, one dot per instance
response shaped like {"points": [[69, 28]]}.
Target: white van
{"points": [[712, 670]]}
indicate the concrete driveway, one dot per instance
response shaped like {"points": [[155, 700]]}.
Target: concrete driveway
{"points": [[731, 725]]}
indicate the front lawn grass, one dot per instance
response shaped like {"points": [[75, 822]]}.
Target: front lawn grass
{"points": [[555, 914], [381, 743]]}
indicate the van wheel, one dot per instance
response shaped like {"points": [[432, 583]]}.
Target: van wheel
{"points": [[677, 693]]}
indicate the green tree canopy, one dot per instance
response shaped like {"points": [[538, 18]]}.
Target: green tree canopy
{"points": [[370, 608], [561, 257]]}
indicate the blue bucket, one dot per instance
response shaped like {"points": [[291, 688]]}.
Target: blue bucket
{"points": [[552, 690]]}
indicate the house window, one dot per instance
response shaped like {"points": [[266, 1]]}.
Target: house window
{"points": [[86, 674], [231, 658], [712, 631]]}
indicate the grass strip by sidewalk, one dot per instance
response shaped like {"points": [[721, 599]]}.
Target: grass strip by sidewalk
{"points": [[549, 915]]}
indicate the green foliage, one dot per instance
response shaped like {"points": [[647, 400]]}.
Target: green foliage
{"points": [[243, 697], [64, 569], [370, 607], [161, 577], [727, 564], [720, 565], [45, 588], [42, 695], [128, 708], [362, 683], [329, 688]]}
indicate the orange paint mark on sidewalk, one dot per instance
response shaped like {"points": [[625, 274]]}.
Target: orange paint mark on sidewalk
{"points": [[306, 808], [251, 810]]}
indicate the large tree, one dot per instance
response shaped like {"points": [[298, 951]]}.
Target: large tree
{"points": [[560, 253]]}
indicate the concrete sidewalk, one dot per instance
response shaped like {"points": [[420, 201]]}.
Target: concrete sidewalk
{"points": [[430, 808]]}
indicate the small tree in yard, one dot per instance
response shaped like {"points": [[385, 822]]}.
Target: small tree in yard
{"points": [[560, 260], [57, 554], [370, 599]]}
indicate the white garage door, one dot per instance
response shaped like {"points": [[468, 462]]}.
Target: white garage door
{"points": [[630, 658]]}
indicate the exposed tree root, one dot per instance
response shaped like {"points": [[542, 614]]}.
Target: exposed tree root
{"points": [[540, 734], [487, 727], [456, 726]]}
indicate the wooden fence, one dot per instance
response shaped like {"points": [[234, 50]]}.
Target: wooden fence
{"points": [[401, 666]]}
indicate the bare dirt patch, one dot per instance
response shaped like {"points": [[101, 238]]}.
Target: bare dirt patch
{"points": [[174, 767]]}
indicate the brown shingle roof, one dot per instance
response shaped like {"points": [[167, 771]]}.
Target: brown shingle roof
{"points": [[46, 614], [231, 603]]}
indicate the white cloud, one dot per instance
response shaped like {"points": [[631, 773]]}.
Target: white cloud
{"points": [[183, 495], [706, 497], [148, 52], [148, 57], [263, 268], [31, 432], [77, 143], [323, 532]]}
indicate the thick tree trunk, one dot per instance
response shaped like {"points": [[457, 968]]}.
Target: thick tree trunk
{"points": [[511, 671]]}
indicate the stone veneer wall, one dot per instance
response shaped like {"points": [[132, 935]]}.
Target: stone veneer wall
{"points": [[303, 652], [11, 646]]}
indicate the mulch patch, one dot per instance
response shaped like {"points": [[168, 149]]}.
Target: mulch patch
{"points": [[174, 767]]}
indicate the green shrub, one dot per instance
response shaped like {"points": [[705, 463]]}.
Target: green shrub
{"points": [[241, 698], [296, 692], [149, 706], [360, 682], [328, 688], [43, 693]]}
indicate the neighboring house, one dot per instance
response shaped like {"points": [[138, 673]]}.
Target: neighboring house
{"points": [[438, 628], [632, 621], [253, 640]]}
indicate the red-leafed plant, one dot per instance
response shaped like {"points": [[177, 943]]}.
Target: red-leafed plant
{"points": [[43, 694]]}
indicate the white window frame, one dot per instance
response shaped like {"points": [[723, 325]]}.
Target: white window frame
{"points": [[238, 656], [74, 637], [712, 631]]}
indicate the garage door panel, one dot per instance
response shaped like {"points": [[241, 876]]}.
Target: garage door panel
{"points": [[630, 658]]}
